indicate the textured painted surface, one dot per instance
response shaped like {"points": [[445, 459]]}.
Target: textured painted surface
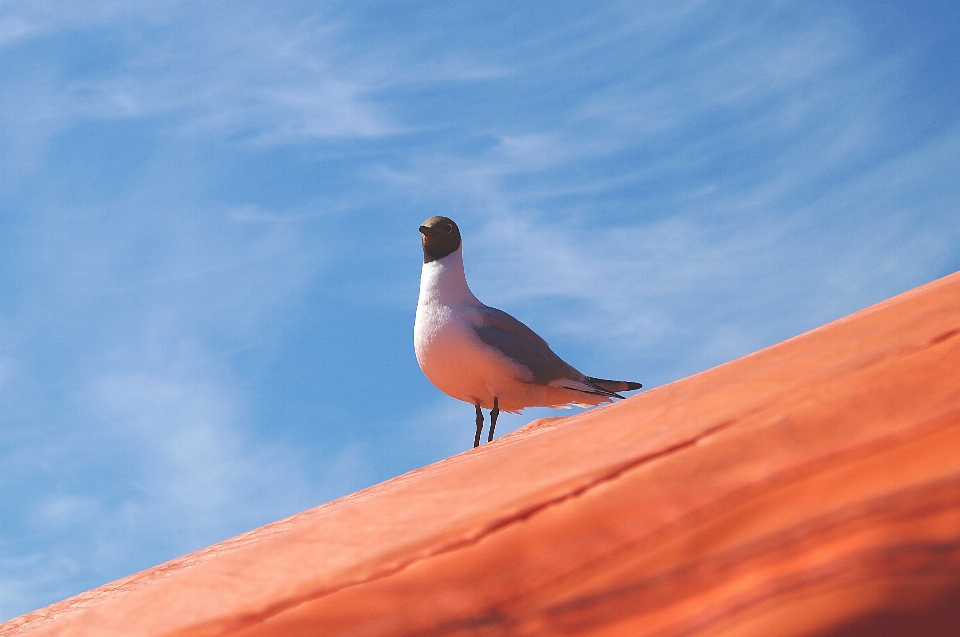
{"points": [[811, 488]]}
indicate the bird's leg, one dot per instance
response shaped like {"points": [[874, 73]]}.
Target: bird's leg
{"points": [[493, 418], [476, 440]]}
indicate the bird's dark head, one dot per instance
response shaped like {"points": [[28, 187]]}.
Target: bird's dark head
{"points": [[441, 237]]}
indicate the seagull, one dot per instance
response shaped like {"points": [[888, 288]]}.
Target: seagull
{"points": [[482, 355]]}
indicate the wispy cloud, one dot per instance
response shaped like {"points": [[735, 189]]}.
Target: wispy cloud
{"points": [[210, 251], [129, 435], [213, 69], [193, 453], [769, 164]]}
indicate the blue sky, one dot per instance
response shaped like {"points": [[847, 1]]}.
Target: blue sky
{"points": [[209, 255]]}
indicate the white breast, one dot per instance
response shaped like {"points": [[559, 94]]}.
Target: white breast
{"points": [[447, 348]]}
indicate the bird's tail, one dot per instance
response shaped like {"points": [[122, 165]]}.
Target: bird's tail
{"points": [[613, 386], [596, 386]]}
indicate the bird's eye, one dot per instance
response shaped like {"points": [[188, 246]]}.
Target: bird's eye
{"points": [[449, 228]]}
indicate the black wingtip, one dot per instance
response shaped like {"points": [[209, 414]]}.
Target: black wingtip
{"points": [[613, 385], [607, 392]]}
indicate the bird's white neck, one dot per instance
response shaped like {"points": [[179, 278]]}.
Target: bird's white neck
{"points": [[444, 281]]}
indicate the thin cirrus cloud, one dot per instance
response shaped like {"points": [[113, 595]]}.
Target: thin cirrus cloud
{"points": [[791, 127], [210, 254], [193, 68], [123, 309], [128, 290]]}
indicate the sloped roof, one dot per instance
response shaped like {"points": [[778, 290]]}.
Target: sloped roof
{"points": [[810, 488]]}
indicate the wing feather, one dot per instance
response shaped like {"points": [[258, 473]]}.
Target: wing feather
{"points": [[527, 349], [522, 345]]}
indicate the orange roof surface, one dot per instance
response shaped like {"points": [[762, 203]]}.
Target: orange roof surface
{"points": [[810, 488]]}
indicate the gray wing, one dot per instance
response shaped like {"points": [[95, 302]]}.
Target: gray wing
{"points": [[519, 343]]}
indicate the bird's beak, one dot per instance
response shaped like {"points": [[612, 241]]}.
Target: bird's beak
{"points": [[430, 232]]}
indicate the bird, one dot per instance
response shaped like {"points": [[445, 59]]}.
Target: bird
{"points": [[482, 355]]}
